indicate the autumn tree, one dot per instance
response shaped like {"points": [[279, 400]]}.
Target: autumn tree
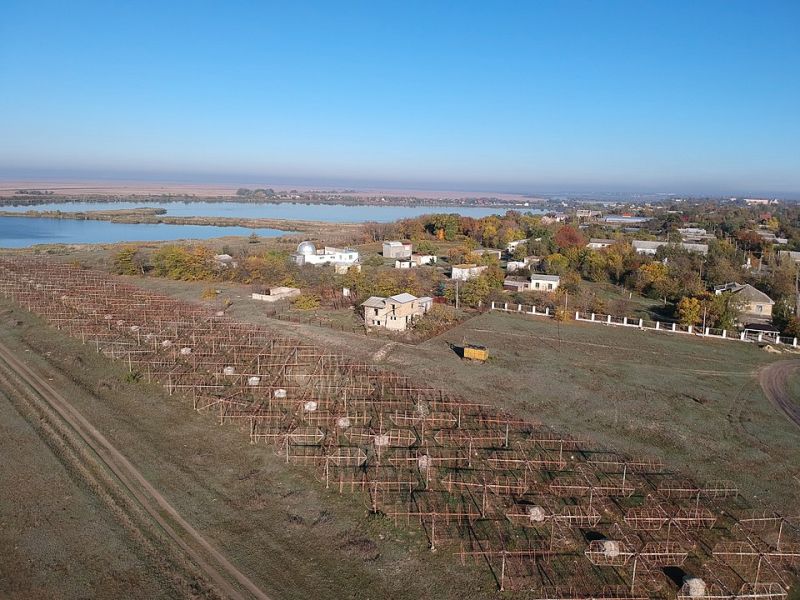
{"points": [[689, 310], [569, 237], [192, 263]]}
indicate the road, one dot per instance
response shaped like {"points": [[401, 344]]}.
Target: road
{"points": [[219, 571], [774, 379]]}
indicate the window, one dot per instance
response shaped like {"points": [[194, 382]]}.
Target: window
{"points": [[759, 308], [536, 285], [376, 312], [549, 286]]}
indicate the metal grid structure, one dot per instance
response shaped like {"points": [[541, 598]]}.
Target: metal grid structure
{"points": [[549, 515]]}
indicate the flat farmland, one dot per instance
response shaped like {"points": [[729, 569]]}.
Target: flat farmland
{"points": [[694, 403], [277, 523]]}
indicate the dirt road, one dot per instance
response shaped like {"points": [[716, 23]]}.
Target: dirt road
{"points": [[212, 563], [773, 379]]}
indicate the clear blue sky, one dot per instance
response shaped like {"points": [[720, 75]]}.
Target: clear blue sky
{"points": [[661, 96]]}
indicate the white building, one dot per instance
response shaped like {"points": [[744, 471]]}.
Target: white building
{"points": [[396, 249], [516, 265], [545, 283], [467, 271], [224, 261], [513, 245], [404, 263], [651, 247], [692, 231], [788, 255], [424, 259], [498, 254], [536, 282], [277, 293], [307, 254], [395, 312], [598, 243]]}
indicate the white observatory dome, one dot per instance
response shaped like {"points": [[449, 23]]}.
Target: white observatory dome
{"points": [[306, 248]]}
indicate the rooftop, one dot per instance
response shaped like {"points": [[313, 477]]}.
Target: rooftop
{"points": [[540, 277], [403, 298]]}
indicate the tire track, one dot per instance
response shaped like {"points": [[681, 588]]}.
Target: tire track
{"points": [[773, 379], [190, 541]]}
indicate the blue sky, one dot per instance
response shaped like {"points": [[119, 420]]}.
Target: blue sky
{"points": [[694, 96]]}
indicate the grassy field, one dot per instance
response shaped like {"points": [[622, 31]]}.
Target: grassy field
{"points": [[694, 403], [277, 523]]}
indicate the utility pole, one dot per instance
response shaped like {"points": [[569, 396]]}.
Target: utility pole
{"points": [[456, 294]]}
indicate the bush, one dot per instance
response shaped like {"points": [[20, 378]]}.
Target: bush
{"points": [[184, 263], [306, 302], [128, 261]]}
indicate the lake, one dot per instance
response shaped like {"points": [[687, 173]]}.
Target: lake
{"points": [[332, 213], [20, 232]]}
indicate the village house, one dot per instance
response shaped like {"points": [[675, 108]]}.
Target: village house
{"points": [[404, 263], [585, 214], [395, 312], [789, 256], [513, 245], [396, 249], [771, 238], [650, 247], [551, 218], [756, 305], [528, 261], [537, 282], [307, 254], [516, 284], [599, 243], [467, 271], [498, 254], [424, 259], [546, 283]]}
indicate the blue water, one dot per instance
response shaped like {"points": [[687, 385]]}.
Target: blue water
{"points": [[20, 232], [332, 213]]}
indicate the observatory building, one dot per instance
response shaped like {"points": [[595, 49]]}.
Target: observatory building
{"points": [[307, 254]]}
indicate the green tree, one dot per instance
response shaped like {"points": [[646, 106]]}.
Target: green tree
{"points": [[556, 264], [306, 302], [128, 261], [426, 247], [184, 263], [475, 291]]}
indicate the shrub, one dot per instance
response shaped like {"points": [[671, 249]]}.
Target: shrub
{"points": [[306, 301]]}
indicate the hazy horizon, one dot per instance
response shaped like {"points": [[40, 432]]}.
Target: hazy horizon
{"points": [[687, 98]]}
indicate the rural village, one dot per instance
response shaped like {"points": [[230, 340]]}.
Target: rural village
{"points": [[308, 347]]}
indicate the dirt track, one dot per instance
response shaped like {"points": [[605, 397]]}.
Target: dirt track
{"points": [[228, 579], [773, 379]]}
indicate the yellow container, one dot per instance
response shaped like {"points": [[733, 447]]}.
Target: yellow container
{"points": [[478, 353]]}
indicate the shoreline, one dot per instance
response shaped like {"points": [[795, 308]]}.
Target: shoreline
{"points": [[156, 216], [303, 198]]}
